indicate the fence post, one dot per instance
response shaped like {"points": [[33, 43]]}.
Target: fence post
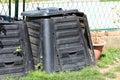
{"points": [[10, 8], [23, 7], [16, 8]]}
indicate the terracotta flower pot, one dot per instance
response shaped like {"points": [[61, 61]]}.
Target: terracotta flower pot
{"points": [[98, 48]]}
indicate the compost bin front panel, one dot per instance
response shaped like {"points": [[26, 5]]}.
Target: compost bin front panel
{"points": [[12, 50], [34, 30], [71, 48]]}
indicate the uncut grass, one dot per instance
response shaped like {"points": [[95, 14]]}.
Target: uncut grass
{"points": [[83, 74], [109, 56]]}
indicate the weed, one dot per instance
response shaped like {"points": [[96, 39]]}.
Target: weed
{"points": [[18, 51], [39, 66]]}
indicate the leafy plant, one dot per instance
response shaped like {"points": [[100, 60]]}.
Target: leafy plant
{"points": [[18, 51], [39, 66]]}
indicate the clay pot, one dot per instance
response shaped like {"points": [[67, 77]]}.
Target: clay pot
{"points": [[98, 48]]}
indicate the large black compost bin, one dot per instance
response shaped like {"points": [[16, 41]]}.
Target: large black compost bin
{"points": [[58, 38], [15, 53]]}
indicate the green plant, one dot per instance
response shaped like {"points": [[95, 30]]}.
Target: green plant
{"points": [[39, 66], [18, 51]]}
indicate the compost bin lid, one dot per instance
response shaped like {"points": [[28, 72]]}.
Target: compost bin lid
{"points": [[44, 12]]}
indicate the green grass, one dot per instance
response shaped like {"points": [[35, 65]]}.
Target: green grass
{"points": [[109, 56], [84, 74], [108, 0]]}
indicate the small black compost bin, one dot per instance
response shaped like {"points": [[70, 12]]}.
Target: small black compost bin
{"points": [[15, 53], [57, 38]]}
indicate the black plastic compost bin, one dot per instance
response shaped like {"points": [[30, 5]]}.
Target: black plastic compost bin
{"points": [[15, 53], [58, 38]]}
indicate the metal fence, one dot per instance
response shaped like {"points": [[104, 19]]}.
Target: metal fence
{"points": [[100, 14]]}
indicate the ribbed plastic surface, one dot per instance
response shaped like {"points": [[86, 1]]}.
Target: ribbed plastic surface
{"points": [[86, 31], [62, 39], [71, 48], [12, 64], [34, 31]]}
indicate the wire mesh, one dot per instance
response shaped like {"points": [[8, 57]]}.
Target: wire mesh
{"points": [[100, 14], [4, 9]]}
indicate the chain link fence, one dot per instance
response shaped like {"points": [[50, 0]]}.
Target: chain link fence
{"points": [[4, 7], [100, 14]]}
